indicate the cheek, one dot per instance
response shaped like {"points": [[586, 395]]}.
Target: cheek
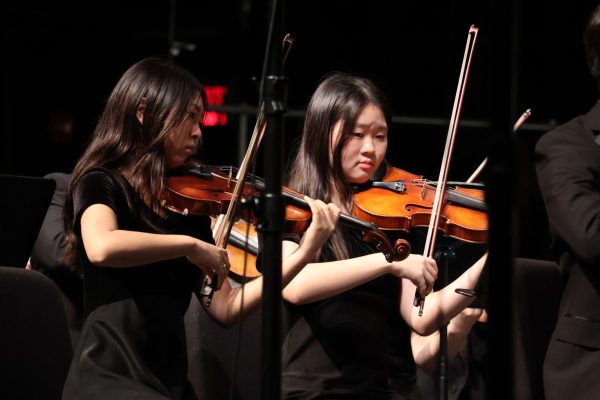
{"points": [[351, 149], [380, 150], [171, 159], [347, 154]]}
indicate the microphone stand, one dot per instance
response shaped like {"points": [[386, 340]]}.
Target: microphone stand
{"points": [[444, 256], [271, 207]]}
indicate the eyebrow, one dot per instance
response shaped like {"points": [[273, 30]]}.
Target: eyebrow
{"points": [[368, 125]]}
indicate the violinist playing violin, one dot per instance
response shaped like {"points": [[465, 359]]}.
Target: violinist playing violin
{"points": [[140, 262], [568, 170], [340, 305]]}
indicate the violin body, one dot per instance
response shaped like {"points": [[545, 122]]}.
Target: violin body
{"points": [[209, 190], [204, 190], [242, 251], [412, 207]]}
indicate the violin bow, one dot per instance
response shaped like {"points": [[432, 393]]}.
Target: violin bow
{"points": [[526, 114], [452, 128], [224, 223]]}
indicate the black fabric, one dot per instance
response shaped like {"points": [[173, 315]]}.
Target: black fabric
{"points": [[132, 344], [537, 290], [35, 348], [224, 363], [47, 253], [340, 347]]}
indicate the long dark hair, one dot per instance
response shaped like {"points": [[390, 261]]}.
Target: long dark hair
{"points": [[163, 92], [339, 97]]}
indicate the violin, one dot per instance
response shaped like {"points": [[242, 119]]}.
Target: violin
{"points": [[402, 201], [243, 249], [207, 190]]}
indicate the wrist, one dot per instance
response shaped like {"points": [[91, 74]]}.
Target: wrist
{"points": [[305, 254], [189, 244], [386, 266]]}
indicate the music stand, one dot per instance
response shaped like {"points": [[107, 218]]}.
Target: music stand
{"points": [[23, 207]]}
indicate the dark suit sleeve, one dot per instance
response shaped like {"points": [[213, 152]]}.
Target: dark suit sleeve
{"points": [[568, 168]]}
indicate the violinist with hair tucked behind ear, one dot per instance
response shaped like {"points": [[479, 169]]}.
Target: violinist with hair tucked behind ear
{"points": [[340, 305], [568, 169], [140, 262]]}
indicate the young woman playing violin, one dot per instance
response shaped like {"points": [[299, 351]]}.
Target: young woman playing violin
{"points": [[141, 263], [340, 305]]}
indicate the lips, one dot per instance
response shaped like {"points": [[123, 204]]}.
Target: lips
{"points": [[365, 164], [190, 148]]}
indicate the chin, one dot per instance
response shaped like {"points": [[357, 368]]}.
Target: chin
{"points": [[174, 164], [359, 180]]}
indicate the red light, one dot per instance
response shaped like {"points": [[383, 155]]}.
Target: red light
{"points": [[211, 118], [214, 97]]}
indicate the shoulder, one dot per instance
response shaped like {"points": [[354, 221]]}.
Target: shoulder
{"points": [[579, 130], [98, 186], [96, 181], [570, 131]]}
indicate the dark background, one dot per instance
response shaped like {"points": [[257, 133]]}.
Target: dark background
{"points": [[61, 59]]}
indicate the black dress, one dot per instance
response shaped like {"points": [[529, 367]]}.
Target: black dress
{"points": [[132, 343], [351, 345]]}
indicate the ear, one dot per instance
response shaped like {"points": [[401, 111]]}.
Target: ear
{"points": [[140, 111]]}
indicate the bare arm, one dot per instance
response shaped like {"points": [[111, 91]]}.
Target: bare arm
{"points": [[108, 246], [426, 348], [227, 302], [441, 306], [318, 281]]}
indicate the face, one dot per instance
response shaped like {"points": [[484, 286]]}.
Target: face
{"points": [[365, 149], [182, 141]]}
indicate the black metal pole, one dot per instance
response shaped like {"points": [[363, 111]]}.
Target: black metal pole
{"points": [[500, 198], [443, 257], [273, 213]]}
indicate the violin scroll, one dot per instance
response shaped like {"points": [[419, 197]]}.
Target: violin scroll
{"points": [[401, 249], [398, 252]]}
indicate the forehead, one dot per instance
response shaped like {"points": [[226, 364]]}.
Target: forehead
{"points": [[371, 116]]}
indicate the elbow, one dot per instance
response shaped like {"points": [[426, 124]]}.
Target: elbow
{"points": [[424, 327], [294, 296], [229, 313], [225, 322], [228, 321], [98, 253], [224, 316], [424, 330]]}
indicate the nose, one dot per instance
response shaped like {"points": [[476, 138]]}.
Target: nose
{"points": [[367, 146], [196, 131]]}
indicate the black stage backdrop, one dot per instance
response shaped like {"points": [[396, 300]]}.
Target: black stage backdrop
{"points": [[61, 59]]}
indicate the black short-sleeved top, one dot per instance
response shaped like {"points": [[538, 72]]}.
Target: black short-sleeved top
{"points": [[132, 343], [344, 346]]}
